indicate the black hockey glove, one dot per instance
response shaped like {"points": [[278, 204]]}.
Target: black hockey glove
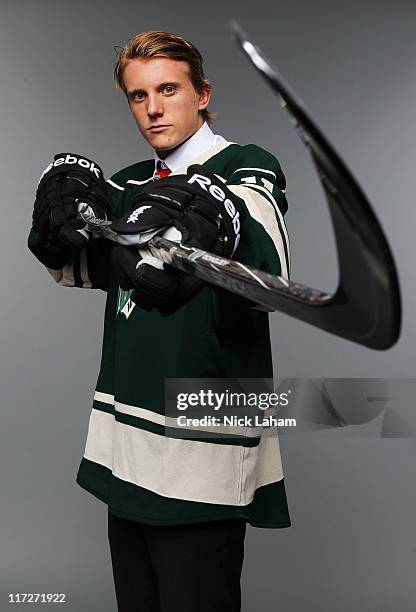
{"points": [[195, 209], [70, 178]]}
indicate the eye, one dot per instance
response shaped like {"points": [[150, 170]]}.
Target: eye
{"points": [[169, 89], [137, 96]]}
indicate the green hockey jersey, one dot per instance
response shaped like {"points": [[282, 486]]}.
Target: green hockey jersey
{"points": [[130, 461]]}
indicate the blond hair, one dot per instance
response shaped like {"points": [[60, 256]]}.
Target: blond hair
{"points": [[163, 44]]}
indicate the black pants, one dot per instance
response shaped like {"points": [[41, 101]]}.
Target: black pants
{"points": [[180, 568]]}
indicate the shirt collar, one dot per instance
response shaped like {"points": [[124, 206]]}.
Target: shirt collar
{"points": [[199, 142]]}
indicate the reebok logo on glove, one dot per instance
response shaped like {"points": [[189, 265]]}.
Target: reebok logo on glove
{"points": [[72, 159], [218, 194]]}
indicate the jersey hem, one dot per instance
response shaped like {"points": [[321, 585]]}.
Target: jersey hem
{"points": [[189, 521], [197, 519]]}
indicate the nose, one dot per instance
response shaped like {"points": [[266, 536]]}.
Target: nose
{"points": [[154, 105]]}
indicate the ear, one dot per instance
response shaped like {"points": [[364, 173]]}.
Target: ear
{"points": [[204, 96]]}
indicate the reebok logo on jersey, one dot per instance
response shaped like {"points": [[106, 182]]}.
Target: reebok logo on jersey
{"points": [[218, 194], [73, 159], [135, 214]]}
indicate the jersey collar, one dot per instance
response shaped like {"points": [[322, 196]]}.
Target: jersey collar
{"points": [[197, 144]]}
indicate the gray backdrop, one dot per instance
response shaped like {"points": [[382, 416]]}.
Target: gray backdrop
{"points": [[352, 500]]}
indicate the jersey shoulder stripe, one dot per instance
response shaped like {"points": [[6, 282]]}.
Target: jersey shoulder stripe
{"points": [[255, 175], [140, 171]]}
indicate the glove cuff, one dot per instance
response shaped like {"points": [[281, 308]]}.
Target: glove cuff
{"points": [[52, 260]]}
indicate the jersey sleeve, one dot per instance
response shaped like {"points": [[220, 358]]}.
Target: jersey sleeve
{"points": [[87, 269], [90, 268], [260, 183]]}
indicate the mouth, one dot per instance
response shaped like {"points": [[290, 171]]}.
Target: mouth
{"points": [[158, 128]]}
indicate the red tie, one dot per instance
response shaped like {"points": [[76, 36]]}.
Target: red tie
{"points": [[161, 171]]}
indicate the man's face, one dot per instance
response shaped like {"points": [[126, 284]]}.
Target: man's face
{"points": [[163, 101]]}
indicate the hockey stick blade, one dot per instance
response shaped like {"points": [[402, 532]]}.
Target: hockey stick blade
{"points": [[366, 307]]}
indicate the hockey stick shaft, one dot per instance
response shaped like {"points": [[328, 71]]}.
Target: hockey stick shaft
{"points": [[266, 290]]}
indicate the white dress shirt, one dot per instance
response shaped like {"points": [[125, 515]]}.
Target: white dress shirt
{"points": [[196, 145]]}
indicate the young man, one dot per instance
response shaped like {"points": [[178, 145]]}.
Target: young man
{"points": [[177, 508]]}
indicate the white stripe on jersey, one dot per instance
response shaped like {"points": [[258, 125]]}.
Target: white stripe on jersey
{"points": [[113, 184], [64, 276], [259, 188], [160, 419], [86, 282], [106, 398], [256, 170], [139, 182], [182, 469], [263, 211]]}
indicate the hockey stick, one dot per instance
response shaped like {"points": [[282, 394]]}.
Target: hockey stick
{"points": [[366, 307]]}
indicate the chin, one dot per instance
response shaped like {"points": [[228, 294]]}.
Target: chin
{"points": [[162, 144]]}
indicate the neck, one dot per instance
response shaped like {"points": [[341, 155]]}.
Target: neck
{"points": [[164, 154]]}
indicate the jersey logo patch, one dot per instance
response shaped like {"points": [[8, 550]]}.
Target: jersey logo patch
{"points": [[125, 305]]}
